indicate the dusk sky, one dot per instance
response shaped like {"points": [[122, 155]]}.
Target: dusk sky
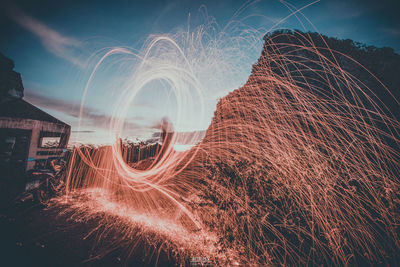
{"points": [[56, 44]]}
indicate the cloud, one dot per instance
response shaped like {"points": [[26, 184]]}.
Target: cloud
{"points": [[83, 131], [56, 43], [91, 117], [347, 9], [70, 108], [392, 31]]}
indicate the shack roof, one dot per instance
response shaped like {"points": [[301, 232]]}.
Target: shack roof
{"points": [[19, 108]]}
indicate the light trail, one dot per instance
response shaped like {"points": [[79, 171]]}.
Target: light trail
{"points": [[295, 168]]}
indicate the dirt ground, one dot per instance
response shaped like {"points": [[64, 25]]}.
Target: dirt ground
{"points": [[32, 235]]}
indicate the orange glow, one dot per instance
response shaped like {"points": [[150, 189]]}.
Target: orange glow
{"points": [[288, 171]]}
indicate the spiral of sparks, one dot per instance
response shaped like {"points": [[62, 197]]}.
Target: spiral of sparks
{"points": [[290, 170]]}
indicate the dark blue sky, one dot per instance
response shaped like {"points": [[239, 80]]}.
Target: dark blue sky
{"points": [[50, 40], [370, 21]]}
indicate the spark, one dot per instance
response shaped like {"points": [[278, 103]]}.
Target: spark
{"points": [[293, 168]]}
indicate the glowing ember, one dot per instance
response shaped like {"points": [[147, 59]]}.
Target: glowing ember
{"points": [[295, 166]]}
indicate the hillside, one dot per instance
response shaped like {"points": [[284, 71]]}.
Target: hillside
{"points": [[372, 68], [302, 161]]}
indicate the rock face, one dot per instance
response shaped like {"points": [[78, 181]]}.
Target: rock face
{"points": [[10, 80], [303, 154]]}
